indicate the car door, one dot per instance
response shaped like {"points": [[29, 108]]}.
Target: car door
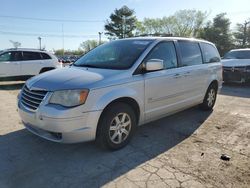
{"points": [[164, 89], [195, 72], [31, 64], [10, 64]]}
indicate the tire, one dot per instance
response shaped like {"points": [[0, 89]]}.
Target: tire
{"points": [[116, 126], [210, 98]]}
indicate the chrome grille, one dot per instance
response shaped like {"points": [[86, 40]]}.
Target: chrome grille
{"points": [[31, 99]]}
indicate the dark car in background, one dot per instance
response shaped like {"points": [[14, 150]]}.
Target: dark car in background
{"points": [[236, 66], [68, 59]]}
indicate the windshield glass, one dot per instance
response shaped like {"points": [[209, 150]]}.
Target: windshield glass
{"points": [[120, 54], [244, 54]]}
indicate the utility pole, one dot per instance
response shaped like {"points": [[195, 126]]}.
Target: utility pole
{"points": [[40, 42], [245, 33], [100, 37], [63, 38]]}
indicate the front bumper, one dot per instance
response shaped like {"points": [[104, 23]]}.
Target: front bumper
{"points": [[58, 129], [235, 75]]}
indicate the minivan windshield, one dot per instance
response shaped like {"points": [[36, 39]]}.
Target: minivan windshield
{"points": [[243, 54], [119, 54]]}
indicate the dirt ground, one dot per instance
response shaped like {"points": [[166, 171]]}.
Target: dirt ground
{"points": [[182, 150]]}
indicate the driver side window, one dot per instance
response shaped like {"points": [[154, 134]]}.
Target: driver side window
{"points": [[164, 51]]}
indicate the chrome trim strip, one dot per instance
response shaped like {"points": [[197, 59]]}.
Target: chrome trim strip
{"points": [[39, 99], [38, 103], [150, 100]]}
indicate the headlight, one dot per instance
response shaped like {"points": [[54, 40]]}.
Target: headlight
{"points": [[69, 98]]}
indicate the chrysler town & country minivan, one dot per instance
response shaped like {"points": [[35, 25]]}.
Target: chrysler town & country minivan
{"points": [[119, 85]]}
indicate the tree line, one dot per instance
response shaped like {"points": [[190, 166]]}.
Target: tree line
{"points": [[123, 23]]}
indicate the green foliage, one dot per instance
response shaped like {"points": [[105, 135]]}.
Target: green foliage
{"points": [[184, 23], [219, 33], [121, 24], [88, 45], [61, 52], [242, 35]]}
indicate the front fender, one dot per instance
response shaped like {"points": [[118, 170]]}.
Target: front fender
{"points": [[109, 95]]}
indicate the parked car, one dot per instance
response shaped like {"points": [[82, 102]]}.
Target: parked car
{"points": [[106, 93], [236, 66], [17, 63]]}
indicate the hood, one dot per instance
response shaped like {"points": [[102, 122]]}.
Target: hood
{"points": [[235, 62], [69, 78]]}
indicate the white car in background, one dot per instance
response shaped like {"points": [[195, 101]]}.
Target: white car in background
{"points": [[18, 63], [236, 66]]}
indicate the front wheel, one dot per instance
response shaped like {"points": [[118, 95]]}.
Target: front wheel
{"points": [[210, 98], [116, 126]]}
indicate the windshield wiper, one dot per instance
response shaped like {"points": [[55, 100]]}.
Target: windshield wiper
{"points": [[87, 65]]}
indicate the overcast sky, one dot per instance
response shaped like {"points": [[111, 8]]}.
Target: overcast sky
{"points": [[80, 20]]}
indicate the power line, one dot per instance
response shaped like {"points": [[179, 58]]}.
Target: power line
{"points": [[49, 20], [46, 35]]}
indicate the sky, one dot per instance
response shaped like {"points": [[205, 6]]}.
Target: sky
{"points": [[80, 20]]}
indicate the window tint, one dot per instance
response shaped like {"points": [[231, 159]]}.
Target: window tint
{"points": [[5, 56], [190, 53], [16, 56], [210, 53], [45, 56], [166, 52], [31, 56]]}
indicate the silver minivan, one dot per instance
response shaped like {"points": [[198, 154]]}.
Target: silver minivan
{"points": [[119, 85]]}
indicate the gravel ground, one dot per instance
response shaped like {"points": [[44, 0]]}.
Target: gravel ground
{"points": [[182, 150]]}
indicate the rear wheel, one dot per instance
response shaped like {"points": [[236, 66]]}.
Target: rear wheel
{"points": [[116, 126], [210, 98]]}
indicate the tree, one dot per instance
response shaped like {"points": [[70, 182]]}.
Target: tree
{"points": [[242, 34], [186, 23], [183, 23], [15, 44], [219, 33], [122, 23], [88, 45], [61, 52]]}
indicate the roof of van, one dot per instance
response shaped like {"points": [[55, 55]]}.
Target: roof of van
{"points": [[167, 38]]}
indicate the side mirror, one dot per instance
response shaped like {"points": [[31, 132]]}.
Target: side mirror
{"points": [[154, 65]]}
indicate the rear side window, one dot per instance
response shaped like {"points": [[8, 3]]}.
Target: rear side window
{"points": [[45, 56], [31, 56], [166, 52], [190, 53], [210, 53]]}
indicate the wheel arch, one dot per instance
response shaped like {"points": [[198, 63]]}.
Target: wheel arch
{"points": [[215, 83], [127, 100]]}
